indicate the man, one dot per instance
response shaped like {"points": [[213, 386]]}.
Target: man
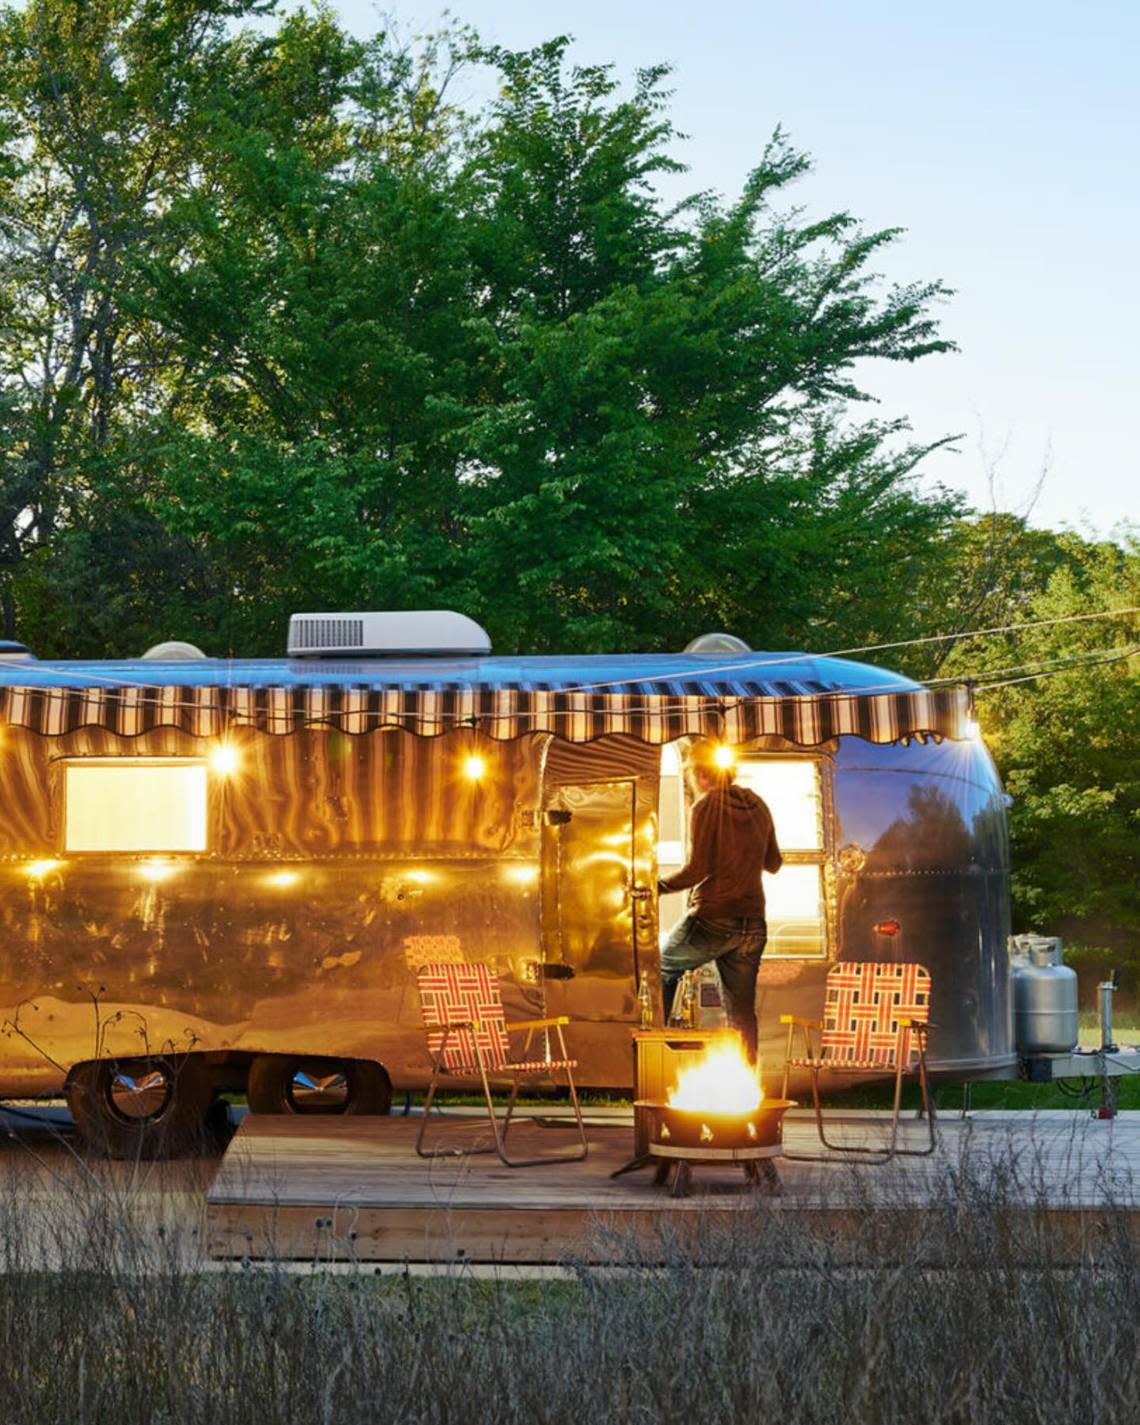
{"points": [[732, 841]]}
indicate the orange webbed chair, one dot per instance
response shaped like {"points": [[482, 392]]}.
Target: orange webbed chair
{"points": [[468, 1037], [876, 1018]]}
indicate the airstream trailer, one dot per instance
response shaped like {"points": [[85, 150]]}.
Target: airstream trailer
{"points": [[225, 874]]}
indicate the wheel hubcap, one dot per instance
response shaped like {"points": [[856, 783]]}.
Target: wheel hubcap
{"points": [[139, 1094], [318, 1089]]}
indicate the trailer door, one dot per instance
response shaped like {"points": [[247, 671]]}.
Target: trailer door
{"points": [[589, 924], [589, 871]]}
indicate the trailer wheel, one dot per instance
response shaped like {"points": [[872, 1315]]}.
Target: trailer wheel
{"points": [[141, 1108], [280, 1083]]}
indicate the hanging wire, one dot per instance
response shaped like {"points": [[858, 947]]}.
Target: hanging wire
{"points": [[740, 667], [1068, 660], [1052, 672]]}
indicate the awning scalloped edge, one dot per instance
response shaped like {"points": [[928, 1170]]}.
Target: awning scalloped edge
{"points": [[500, 713]]}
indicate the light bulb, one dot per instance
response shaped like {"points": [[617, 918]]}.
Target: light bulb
{"points": [[474, 767], [225, 759], [724, 756], [37, 870], [521, 875]]}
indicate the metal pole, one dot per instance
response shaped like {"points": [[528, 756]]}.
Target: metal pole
{"points": [[1105, 991]]}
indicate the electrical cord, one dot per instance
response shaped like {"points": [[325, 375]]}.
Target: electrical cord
{"points": [[1125, 650], [984, 687]]}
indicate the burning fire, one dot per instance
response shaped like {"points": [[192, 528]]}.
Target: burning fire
{"points": [[722, 1082]]}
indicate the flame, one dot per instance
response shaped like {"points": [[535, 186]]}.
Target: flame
{"points": [[722, 1082]]}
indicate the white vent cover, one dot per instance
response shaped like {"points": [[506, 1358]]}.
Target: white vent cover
{"points": [[717, 643], [174, 651], [418, 631]]}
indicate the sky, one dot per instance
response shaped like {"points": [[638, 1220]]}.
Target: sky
{"points": [[1002, 136]]}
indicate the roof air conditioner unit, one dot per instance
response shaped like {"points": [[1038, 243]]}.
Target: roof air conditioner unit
{"points": [[437, 632]]}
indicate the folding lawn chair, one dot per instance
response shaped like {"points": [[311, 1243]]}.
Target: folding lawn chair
{"points": [[467, 1036], [875, 1021]]}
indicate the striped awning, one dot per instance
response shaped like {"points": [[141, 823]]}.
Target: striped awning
{"points": [[671, 711]]}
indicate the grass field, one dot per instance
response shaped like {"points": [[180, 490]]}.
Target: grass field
{"points": [[967, 1315]]}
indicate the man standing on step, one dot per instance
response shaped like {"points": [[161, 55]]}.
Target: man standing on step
{"points": [[732, 841]]}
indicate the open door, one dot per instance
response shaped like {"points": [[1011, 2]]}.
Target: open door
{"points": [[590, 918], [589, 841]]}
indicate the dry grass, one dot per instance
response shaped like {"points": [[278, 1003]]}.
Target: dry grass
{"points": [[976, 1312]]}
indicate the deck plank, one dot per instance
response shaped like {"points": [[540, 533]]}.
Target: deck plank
{"points": [[354, 1187]]}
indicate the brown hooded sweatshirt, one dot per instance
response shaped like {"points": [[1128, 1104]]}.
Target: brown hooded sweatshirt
{"points": [[732, 841]]}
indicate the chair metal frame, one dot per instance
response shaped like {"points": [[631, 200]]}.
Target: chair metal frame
{"points": [[910, 1037], [495, 1027]]}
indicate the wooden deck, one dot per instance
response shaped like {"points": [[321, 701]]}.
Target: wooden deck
{"points": [[334, 1189]]}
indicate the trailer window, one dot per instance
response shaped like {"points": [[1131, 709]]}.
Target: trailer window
{"points": [[135, 804], [794, 897]]}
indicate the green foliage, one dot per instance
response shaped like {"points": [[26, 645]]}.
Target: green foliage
{"points": [[1063, 722], [351, 345], [100, 109]]}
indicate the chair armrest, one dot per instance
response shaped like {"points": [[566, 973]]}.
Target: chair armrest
{"points": [[539, 1023], [458, 1024], [804, 1023]]}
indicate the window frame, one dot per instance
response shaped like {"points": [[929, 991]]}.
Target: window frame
{"points": [[823, 856], [65, 764]]}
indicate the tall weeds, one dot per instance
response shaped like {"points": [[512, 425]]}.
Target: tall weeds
{"points": [[982, 1310]]}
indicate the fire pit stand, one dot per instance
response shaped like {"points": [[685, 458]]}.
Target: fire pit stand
{"points": [[681, 1137]]}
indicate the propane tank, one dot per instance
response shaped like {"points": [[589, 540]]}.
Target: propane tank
{"points": [[1044, 996]]}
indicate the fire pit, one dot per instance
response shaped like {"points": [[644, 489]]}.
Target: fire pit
{"points": [[716, 1114]]}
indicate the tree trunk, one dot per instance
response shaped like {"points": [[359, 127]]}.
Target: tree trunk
{"points": [[7, 608]]}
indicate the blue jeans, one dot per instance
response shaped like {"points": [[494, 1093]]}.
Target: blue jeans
{"points": [[736, 944]]}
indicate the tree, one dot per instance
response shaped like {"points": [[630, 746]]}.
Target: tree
{"points": [[664, 378], [320, 307], [480, 363], [1060, 708], [100, 104]]}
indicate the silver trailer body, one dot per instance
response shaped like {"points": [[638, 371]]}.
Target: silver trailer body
{"points": [[335, 856]]}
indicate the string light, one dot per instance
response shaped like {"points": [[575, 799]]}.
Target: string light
{"points": [[521, 875], [225, 759], [37, 870]]}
